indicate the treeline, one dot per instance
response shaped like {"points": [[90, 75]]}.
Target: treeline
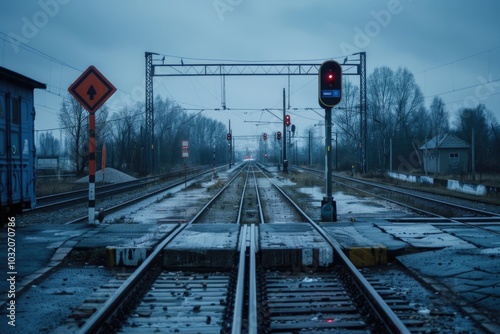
{"points": [[124, 136], [397, 112]]}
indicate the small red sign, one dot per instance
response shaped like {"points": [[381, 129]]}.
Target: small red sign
{"points": [[91, 89], [184, 148]]}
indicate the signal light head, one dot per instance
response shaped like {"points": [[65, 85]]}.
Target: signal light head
{"points": [[287, 120], [329, 84]]}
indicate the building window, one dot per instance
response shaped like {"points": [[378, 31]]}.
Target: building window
{"points": [[453, 155], [2, 105]]}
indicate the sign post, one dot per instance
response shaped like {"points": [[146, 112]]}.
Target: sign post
{"points": [[185, 155], [91, 90], [329, 95], [103, 160]]}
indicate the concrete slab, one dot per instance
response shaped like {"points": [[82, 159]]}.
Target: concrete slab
{"points": [[472, 272], [293, 245], [36, 244], [127, 235], [422, 235], [364, 243], [38, 251], [477, 237], [203, 246]]}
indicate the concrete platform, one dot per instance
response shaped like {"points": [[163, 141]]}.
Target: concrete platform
{"points": [[201, 246], [125, 244], [42, 248], [364, 243], [472, 272], [378, 241], [127, 235], [293, 246], [451, 257]]}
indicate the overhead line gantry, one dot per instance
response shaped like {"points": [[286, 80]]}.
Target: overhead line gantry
{"points": [[158, 68]]}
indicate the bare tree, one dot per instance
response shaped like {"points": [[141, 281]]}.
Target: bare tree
{"points": [[438, 118], [73, 119], [479, 121], [408, 100], [346, 119], [48, 144], [124, 133], [380, 109], [346, 116]]}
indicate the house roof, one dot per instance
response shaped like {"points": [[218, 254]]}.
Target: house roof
{"points": [[19, 78], [444, 141]]}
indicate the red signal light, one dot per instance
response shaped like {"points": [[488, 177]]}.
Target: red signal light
{"points": [[265, 136], [330, 78], [228, 136], [278, 135], [330, 84], [287, 120]]}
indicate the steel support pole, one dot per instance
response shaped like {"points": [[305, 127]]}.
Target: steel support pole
{"points": [[285, 161], [149, 136], [363, 109], [328, 205]]}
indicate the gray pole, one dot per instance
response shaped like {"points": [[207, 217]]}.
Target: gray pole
{"points": [[285, 164], [390, 154], [336, 154], [473, 158], [328, 145], [328, 205], [230, 144]]}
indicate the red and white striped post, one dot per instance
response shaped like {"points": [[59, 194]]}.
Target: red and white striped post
{"points": [[91, 168], [91, 90]]}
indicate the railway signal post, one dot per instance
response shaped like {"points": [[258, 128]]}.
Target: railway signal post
{"points": [[329, 94], [91, 90]]}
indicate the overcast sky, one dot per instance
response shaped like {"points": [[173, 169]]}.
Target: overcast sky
{"points": [[451, 46]]}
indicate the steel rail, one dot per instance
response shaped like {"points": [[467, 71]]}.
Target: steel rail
{"points": [[77, 196], [240, 285], [247, 246], [252, 283], [390, 320], [426, 198], [140, 198], [252, 280], [259, 203], [240, 282], [213, 199], [96, 323], [401, 191], [100, 320], [242, 199], [456, 220]]}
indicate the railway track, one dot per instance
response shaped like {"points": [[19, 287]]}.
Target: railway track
{"points": [[56, 201], [137, 198], [425, 204], [248, 298]]}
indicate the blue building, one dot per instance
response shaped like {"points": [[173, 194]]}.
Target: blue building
{"points": [[17, 145]]}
